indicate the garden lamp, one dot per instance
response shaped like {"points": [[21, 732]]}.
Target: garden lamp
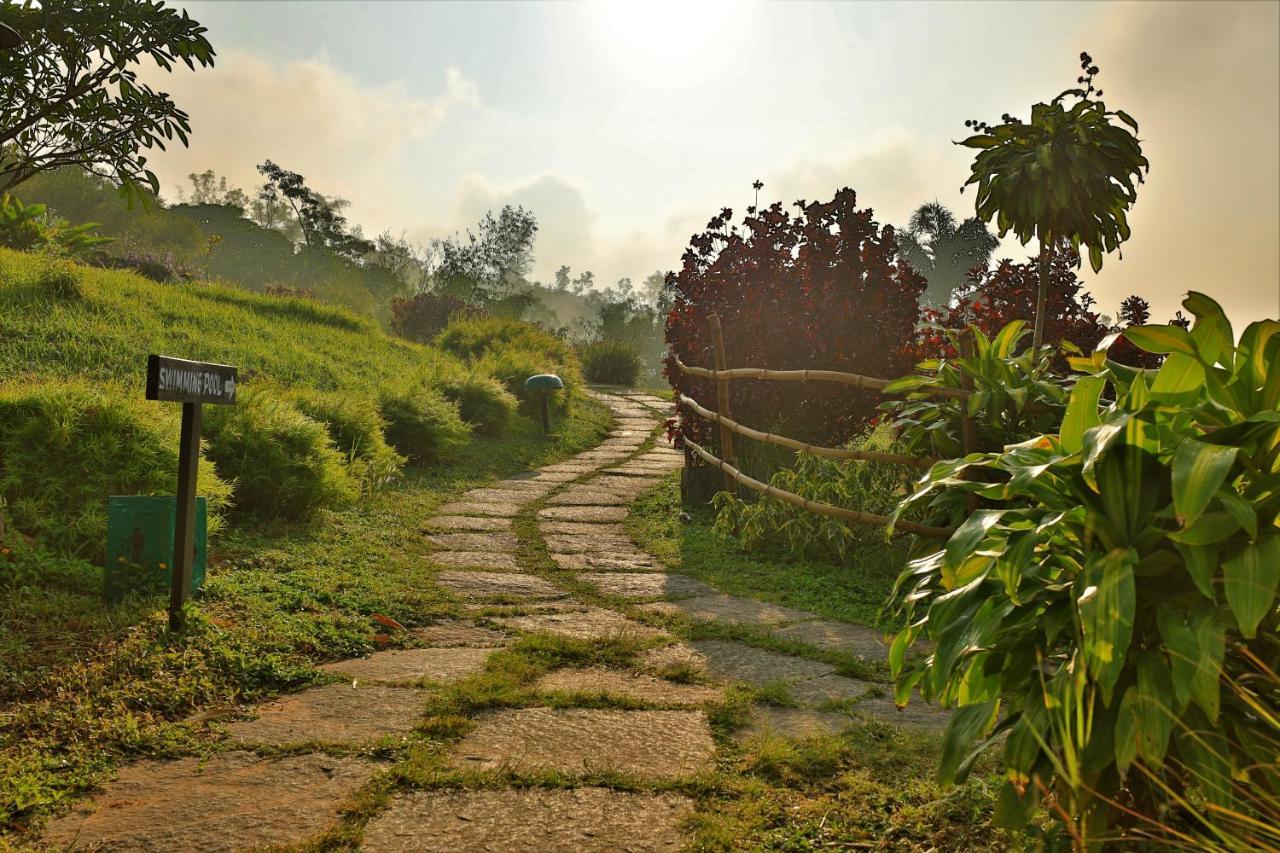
{"points": [[545, 384]]}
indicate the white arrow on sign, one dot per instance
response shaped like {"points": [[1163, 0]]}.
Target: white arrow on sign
{"points": [[229, 387]]}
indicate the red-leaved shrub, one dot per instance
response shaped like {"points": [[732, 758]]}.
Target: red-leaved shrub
{"points": [[823, 288]]}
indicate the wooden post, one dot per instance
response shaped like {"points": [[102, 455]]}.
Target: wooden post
{"points": [[184, 534], [968, 433], [722, 405]]}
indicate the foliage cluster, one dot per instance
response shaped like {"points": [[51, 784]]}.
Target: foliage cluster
{"points": [[610, 362], [482, 401], [1110, 607], [823, 288], [424, 315], [31, 227], [944, 251], [422, 424], [66, 446], [357, 429], [511, 351]]}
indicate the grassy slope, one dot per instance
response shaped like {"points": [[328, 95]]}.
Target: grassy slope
{"points": [[85, 686], [118, 318]]}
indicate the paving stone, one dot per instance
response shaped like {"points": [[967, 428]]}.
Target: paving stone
{"points": [[412, 665], [583, 513], [497, 496], [646, 584], [622, 485], [458, 633], [651, 744], [227, 801], [729, 608], [502, 510], [676, 656], [583, 543], [792, 723], [467, 522], [492, 560], [825, 688], [596, 681], [588, 497], [838, 636], [594, 623], [646, 472], [504, 585], [582, 528], [739, 662], [502, 540], [590, 820], [571, 467], [916, 715], [334, 713], [557, 476], [493, 610], [619, 561]]}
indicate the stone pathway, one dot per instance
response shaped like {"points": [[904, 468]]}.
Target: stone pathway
{"points": [[241, 798]]}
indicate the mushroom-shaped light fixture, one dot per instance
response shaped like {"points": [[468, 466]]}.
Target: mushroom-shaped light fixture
{"points": [[546, 384]]}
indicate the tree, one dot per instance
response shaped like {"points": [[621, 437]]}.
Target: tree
{"points": [[822, 288], [487, 262], [69, 93], [1066, 177], [319, 218], [944, 252], [208, 188]]}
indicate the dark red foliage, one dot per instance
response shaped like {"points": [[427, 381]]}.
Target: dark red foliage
{"points": [[995, 298], [823, 288], [421, 317]]}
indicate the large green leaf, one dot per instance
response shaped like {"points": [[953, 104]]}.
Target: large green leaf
{"points": [[1155, 709], [1183, 649], [1201, 562], [1180, 380], [1249, 581], [1161, 339], [967, 724], [1107, 603], [1211, 641], [1198, 470], [1082, 412], [1126, 736], [1212, 330]]}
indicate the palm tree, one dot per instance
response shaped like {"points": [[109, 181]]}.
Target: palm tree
{"points": [[944, 252]]}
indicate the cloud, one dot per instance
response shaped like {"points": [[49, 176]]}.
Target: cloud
{"points": [[347, 138]]}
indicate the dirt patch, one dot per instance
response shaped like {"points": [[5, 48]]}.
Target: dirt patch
{"points": [[646, 584], [591, 820], [231, 801], [595, 681], [412, 665], [504, 585], [335, 713], [651, 744]]}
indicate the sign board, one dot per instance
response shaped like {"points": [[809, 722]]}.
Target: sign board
{"points": [[177, 380]]}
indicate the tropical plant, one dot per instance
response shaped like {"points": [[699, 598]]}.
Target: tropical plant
{"points": [[824, 288], [30, 226], [1066, 177], [944, 251], [1114, 577], [70, 96]]}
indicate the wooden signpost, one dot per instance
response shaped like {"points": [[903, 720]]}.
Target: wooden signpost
{"points": [[191, 383]]}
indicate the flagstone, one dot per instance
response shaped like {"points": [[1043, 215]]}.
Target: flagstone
{"points": [[458, 633], [467, 522], [594, 623], [398, 665], [583, 513], [500, 585], [838, 636], [645, 584], [334, 713], [623, 561], [596, 681], [492, 560], [509, 509], [728, 608], [493, 541]]}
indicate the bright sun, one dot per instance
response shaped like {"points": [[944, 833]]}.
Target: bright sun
{"points": [[664, 36]]}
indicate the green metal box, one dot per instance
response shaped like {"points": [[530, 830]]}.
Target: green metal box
{"points": [[140, 532]]}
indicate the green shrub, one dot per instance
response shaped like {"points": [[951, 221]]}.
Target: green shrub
{"points": [[482, 402], [358, 431], [610, 362], [422, 424], [1110, 602], [283, 464], [65, 447], [474, 336], [512, 366]]}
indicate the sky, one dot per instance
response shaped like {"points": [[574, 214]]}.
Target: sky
{"points": [[624, 126]]}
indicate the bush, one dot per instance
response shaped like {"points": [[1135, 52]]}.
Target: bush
{"points": [[283, 464], [422, 424], [611, 363], [358, 431], [512, 366], [482, 402], [424, 315], [511, 351], [66, 447], [1111, 600]]}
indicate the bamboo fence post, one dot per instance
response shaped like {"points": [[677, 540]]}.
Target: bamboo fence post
{"points": [[722, 405], [968, 433]]}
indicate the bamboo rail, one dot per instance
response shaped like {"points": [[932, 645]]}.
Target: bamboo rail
{"points": [[783, 441], [868, 518], [857, 380]]}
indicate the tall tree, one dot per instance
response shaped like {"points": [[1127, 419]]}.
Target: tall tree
{"points": [[484, 264], [943, 251], [69, 92], [319, 218]]}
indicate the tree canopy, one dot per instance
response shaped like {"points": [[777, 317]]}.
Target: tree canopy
{"points": [[69, 92]]}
